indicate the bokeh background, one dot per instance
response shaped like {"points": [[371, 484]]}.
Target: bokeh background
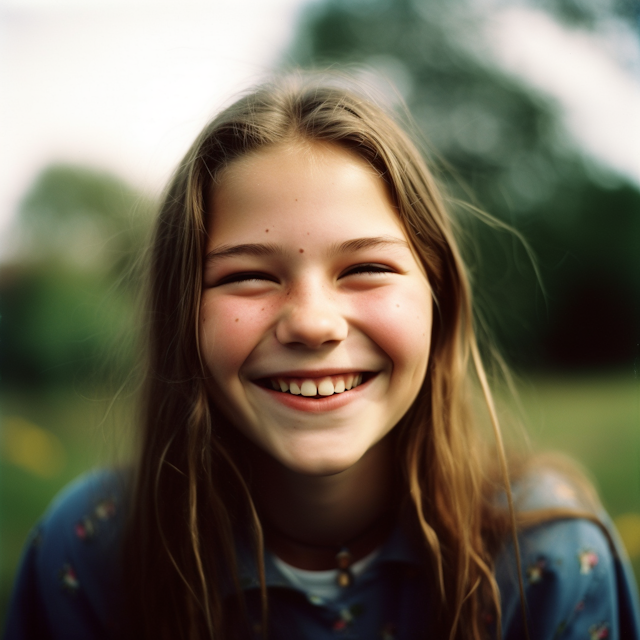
{"points": [[529, 111]]}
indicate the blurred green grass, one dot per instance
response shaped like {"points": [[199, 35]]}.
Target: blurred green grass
{"points": [[81, 431], [596, 420]]}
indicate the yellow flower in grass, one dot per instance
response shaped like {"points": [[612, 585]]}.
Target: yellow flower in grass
{"points": [[628, 526], [31, 447]]}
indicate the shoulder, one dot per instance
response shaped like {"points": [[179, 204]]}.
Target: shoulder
{"points": [[577, 583], [95, 495], [84, 523], [67, 582]]}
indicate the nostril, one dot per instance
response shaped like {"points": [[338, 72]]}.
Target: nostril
{"points": [[312, 327]]}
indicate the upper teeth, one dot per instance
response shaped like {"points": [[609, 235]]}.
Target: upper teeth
{"points": [[324, 387]]}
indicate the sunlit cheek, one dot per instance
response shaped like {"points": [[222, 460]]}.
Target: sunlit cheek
{"points": [[229, 331], [400, 324]]}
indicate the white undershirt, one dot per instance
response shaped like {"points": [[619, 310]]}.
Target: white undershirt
{"points": [[322, 584]]}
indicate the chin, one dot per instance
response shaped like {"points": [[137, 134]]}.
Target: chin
{"points": [[318, 468], [313, 463]]}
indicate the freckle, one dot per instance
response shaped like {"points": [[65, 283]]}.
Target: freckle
{"points": [[398, 306], [307, 233], [262, 309], [237, 319], [266, 230], [301, 250]]}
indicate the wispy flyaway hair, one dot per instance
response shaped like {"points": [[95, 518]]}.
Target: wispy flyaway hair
{"points": [[190, 491]]}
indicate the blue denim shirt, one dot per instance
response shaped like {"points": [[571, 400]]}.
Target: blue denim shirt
{"points": [[577, 583]]}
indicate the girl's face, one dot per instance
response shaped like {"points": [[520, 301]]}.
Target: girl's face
{"points": [[310, 285]]}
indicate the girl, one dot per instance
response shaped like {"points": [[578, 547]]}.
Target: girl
{"points": [[310, 466]]}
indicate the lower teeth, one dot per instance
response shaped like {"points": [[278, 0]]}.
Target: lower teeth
{"points": [[316, 396]]}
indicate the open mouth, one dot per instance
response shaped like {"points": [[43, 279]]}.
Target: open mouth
{"points": [[317, 387]]}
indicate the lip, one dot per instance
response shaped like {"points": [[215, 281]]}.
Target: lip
{"points": [[311, 374], [317, 405]]}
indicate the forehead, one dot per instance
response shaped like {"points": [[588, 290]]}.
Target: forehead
{"points": [[307, 190]]}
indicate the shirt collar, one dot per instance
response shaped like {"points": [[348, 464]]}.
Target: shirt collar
{"points": [[404, 545]]}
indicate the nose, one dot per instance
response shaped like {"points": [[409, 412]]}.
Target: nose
{"points": [[312, 318]]}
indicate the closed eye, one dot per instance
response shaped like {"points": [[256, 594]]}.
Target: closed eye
{"points": [[367, 268], [249, 276]]}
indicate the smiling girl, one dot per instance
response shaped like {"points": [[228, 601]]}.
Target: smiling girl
{"points": [[310, 464]]}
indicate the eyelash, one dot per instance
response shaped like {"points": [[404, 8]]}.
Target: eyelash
{"points": [[244, 277], [373, 269], [361, 269]]}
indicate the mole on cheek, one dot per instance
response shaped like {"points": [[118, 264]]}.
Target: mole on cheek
{"points": [[266, 230], [301, 250], [237, 319]]}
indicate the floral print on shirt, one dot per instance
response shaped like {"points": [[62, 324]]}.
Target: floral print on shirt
{"points": [[347, 617], [588, 560], [599, 631], [87, 528], [75, 545], [69, 579], [535, 571]]}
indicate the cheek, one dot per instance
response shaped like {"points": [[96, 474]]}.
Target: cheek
{"points": [[400, 324], [229, 331]]}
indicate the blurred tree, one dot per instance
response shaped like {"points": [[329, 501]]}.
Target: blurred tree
{"points": [[491, 136], [84, 219], [589, 14], [68, 299]]}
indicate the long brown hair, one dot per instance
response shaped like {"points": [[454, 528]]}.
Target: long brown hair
{"points": [[189, 492]]}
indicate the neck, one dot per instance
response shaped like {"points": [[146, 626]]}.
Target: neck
{"points": [[307, 519]]}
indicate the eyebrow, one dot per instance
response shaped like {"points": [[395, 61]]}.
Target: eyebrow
{"points": [[358, 244], [229, 251], [270, 249]]}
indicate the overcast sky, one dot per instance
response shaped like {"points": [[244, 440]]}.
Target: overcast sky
{"points": [[128, 89], [121, 89], [595, 77]]}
